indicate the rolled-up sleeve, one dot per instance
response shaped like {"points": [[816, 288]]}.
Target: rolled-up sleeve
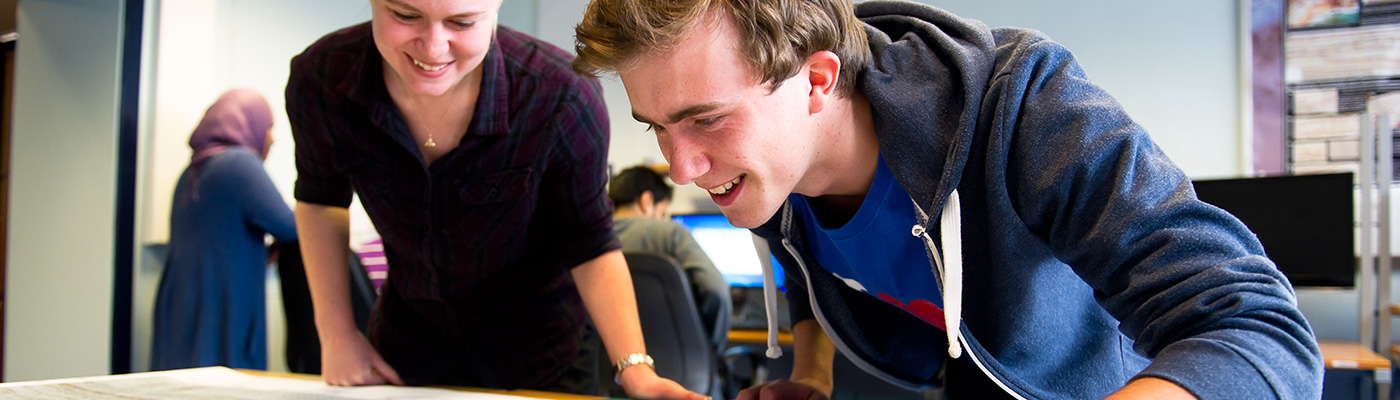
{"points": [[317, 181], [574, 187]]}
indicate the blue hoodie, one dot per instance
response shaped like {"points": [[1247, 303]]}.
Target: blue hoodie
{"points": [[1072, 254]]}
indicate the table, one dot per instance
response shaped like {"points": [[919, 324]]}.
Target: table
{"points": [[1348, 355], [225, 383], [518, 392], [757, 336]]}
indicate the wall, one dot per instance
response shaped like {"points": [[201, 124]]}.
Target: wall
{"points": [[203, 48], [59, 277], [1173, 65]]}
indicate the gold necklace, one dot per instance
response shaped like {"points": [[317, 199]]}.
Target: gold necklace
{"points": [[430, 143]]}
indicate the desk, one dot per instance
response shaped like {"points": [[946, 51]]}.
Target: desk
{"points": [[758, 336], [1347, 355], [225, 383], [523, 393]]}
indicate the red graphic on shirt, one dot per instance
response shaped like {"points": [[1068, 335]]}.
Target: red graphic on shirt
{"points": [[920, 308]]}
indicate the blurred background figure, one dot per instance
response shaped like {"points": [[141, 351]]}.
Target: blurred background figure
{"points": [[640, 196], [210, 304]]}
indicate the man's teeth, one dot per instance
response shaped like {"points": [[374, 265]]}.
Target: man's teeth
{"points": [[427, 67], [724, 189]]}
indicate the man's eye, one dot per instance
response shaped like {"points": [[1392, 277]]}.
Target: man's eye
{"points": [[656, 128], [703, 122]]}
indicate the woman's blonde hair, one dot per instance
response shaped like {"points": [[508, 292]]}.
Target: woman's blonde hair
{"points": [[776, 36]]}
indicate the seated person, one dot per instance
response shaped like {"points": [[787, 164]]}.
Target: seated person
{"points": [[641, 196]]}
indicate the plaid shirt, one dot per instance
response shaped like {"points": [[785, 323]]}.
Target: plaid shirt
{"points": [[479, 243]]}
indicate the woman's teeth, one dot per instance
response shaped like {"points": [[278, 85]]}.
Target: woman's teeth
{"points": [[725, 188], [427, 67]]}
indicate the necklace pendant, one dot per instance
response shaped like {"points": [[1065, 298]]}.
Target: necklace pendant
{"points": [[430, 143]]}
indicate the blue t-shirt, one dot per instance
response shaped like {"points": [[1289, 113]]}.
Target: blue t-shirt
{"points": [[874, 252]]}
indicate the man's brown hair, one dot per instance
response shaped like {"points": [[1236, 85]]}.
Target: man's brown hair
{"points": [[776, 36]]}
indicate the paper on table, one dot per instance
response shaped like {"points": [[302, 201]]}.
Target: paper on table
{"points": [[219, 383]]}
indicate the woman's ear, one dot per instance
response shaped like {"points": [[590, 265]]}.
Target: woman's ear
{"points": [[823, 70]]}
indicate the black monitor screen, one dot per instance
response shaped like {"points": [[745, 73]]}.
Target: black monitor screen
{"points": [[1303, 221]]}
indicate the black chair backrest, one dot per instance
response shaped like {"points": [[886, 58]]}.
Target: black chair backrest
{"points": [[670, 322]]}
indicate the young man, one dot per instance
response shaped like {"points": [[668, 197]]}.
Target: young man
{"points": [[641, 196], [959, 208]]}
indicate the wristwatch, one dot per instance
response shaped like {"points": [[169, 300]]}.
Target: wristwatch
{"points": [[630, 360]]}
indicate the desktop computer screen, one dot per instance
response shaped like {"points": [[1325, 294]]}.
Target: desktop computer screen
{"points": [[1305, 222], [731, 248]]}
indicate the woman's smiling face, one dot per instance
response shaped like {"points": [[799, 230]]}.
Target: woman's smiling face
{"points": [[431, 45]]}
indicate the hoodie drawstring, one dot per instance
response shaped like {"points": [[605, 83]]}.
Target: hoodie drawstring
{"points": [[950, 223], [770, 306], [949, 265]]}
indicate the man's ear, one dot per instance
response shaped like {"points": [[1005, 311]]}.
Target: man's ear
{"points": [[646, 202], [823, 70]]}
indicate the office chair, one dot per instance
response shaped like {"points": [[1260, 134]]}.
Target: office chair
{"points": [[671, 324], [303, 343]]}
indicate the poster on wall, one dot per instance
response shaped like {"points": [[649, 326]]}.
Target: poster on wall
{"points": [[1316, 13]]}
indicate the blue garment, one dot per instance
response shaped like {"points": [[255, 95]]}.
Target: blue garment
{"points": [[210, 307], [1086, 255], [872, 254]]}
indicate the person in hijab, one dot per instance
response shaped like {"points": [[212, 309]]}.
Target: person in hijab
{"points": [[210, 305]]}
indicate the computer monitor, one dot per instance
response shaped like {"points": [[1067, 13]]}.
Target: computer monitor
{"points": [[1304, 222], [731, 248]]}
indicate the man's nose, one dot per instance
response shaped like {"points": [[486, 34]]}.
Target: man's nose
{"points": [[688, 160]]}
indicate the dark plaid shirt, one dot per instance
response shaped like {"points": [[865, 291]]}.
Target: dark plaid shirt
{"points": [[480, 243]]}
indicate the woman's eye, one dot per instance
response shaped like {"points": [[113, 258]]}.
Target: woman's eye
{"points": [[463, 24], [404, 17]]}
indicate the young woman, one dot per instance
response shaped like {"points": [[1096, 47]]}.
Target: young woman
{"points": [[481, 159], [209, 307]]}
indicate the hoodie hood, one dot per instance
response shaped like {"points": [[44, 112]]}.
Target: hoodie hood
{"points": [[1085, 246], [923, 59]]}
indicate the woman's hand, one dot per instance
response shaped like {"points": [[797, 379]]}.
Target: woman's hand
{"points": [[781, 389], [350, 360], [641, 382]]}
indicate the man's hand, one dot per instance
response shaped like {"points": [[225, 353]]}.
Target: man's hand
{"points": [[781, 389], [641, 382], [352, 361]]}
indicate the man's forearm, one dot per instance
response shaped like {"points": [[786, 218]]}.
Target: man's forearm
{"points": [[812, 356]]}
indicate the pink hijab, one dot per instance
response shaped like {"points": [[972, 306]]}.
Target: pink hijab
{"points": [[240, 118]]}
